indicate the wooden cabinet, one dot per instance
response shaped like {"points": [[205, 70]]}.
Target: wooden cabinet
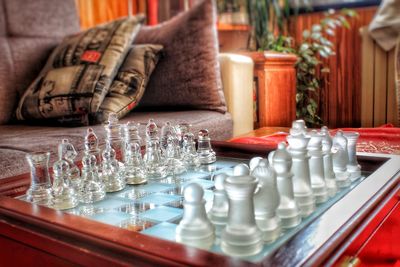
{"points": [[275, 83]]}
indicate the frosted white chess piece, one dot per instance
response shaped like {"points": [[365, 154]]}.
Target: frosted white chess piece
{"points": [[254, 162], [330, 177], [266, 201], [241, 237], [316, 162], [219, 210], [195, 229], [241, 169], [352, 167], [288, 210], [64, 195], [303, 194], [340, 160]]}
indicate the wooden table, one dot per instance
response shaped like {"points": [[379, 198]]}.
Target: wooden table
{"points": [[35, 235], [264, 131]]}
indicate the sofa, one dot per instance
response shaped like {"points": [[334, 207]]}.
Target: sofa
{"points": [[30, 29]]}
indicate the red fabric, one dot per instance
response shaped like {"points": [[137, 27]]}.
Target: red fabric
{"points": [[384, 139]]}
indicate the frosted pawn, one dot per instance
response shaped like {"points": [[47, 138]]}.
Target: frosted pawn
{"points": [[266, 201], [241, 237], [241, 169], [288, 210], [195, 229], [330, 177], [316, 162], [352, 167], [219, 210]]}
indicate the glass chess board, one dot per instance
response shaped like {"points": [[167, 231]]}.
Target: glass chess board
{"points": [[155, 208]]}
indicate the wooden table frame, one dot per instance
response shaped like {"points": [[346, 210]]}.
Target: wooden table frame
{"points": [[31, 233]]}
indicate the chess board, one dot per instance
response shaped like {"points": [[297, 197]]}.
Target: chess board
{"points": [[155, 208]]}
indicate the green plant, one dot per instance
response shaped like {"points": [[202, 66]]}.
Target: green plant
{"points": [[310, 68]]}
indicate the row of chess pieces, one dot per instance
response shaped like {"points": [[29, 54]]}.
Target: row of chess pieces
{"points": [[118, 164], [255, 203]]}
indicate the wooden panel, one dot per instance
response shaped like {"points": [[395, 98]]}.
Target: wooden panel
{"points": [[367, 83], [380, 86], [391, 109], [340, 103]]}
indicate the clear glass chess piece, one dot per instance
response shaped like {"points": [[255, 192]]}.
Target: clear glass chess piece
{"points": [[154, 164], [204, 151], [111, 173], [40, 190], [134, 165], [131, 135], [92, 144], [67, 152], [92, 189], [167, 132], [114, 136], [64, 194], [189, 153], [173, 157], [181, 130]]}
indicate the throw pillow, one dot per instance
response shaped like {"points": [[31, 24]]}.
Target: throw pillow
{"points": [[129, 85], [188, 75], [79, 72]]}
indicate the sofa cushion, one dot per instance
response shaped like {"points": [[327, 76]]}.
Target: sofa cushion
{"points": [[17, 140], [79, 72], [129, 85], [26, 42], [188, 75]]}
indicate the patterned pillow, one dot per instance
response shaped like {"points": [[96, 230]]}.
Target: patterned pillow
{"points": [[79, 72], [188, 75], [129, 85]]}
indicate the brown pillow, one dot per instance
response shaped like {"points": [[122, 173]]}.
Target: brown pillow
{"points": [[129, 85], [79, 72], [188, 75]]}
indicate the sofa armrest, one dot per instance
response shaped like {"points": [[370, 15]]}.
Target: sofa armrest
{"points": [[237, 82]]}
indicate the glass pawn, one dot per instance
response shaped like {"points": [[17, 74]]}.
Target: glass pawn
{"points": [[40, 191], [92, 189], [352, 167], [154, 164], [173, 158], [189, 154], [64, 194], [134, 165], [67, 152], [92, 145], [204, 151], [131, 136], [111, 173]]}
